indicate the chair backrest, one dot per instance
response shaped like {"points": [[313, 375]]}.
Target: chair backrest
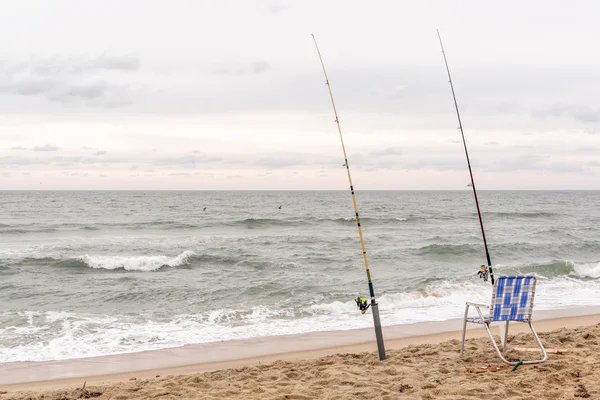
{"points": [[512, 299]]}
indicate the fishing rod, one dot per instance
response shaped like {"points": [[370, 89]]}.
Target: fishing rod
{"points": [[483, 272], [360, 302]]}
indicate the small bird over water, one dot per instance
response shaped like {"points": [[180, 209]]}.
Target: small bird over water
{"points": [[204, 209], [280, 207]]}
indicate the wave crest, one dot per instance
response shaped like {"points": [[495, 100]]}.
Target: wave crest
{"points": [[587, 270], [136, 263], [556, 268], [448, 250]]}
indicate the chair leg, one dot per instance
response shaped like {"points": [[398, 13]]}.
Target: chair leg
{"points": [[487, 328], [539, 342], [541, 346], [462, 342], [505, 338]]}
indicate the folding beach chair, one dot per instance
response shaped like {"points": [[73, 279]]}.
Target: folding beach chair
{"points": [[512, 300]]}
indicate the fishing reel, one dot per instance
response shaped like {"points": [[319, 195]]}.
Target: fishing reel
{"points": [[484, 273], [362, 304]]}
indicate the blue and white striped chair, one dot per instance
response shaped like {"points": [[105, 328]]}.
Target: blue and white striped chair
{"points": [[512, 300]]}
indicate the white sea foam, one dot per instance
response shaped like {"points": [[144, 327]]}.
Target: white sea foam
{"points": [[587, 270], [56, 333], [136, 263]]}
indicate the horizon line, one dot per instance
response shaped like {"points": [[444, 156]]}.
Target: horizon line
{"points": [[296, 190]]}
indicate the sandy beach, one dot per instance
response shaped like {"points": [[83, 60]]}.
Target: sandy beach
{"points": [[422, 366]]}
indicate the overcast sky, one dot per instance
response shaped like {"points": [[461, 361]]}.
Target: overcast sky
{"points": [[191, 94]]}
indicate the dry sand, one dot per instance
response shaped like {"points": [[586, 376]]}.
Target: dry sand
{"points": [[413, 371]]}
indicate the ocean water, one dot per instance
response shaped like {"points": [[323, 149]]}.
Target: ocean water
{"points": [[93, 273]]}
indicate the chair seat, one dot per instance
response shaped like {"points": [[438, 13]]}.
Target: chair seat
{"points": [[477, 320], [486, 320]]}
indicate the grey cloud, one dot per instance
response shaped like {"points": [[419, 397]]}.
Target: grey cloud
{"points": [[427, 91], [46, 147], [69, 80], [437, 163], [284, 159], [578, 112], [95, 151], [587, 150], [369, 163], [64, 164], [57, 161], [18, 161], [74, 65], [76, 160], [566, 167], [95, 93], [187, 160], [260, 66], [277, 8], [389, 91], [87, 161], [65, 159], [519, 163], [31, 87], [18, 148], [376, 160], [88, 91], [390, 151], [122, 63], [256, 67], [403, 90], [592, 131], [534, 163], [509, 108], [205, 158], [492, 143], [384, 159]]}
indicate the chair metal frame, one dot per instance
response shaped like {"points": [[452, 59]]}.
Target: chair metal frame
{"points": [[495, 316]]}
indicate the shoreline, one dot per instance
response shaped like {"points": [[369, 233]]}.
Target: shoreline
{"points": [[19, 376]]}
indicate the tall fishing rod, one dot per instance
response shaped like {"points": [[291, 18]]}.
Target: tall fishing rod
{"points": [[483, 272], [373, 305]]}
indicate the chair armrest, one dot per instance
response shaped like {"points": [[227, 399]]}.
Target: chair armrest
{"points": [[478, 304]]}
